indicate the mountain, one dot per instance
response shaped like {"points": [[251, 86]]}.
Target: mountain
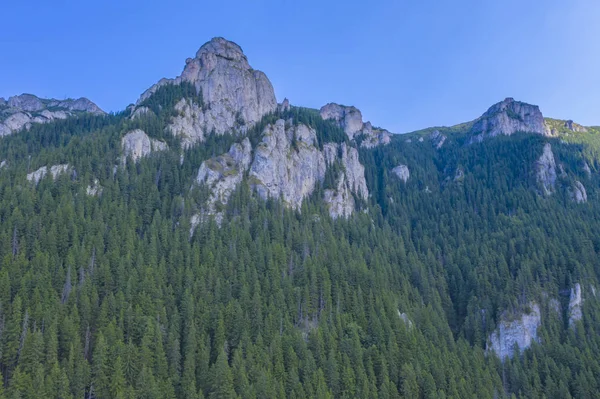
{"points": [[210, 242]]}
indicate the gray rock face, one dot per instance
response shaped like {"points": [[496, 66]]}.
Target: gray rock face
{"points": [[235, 95], [94, 189], [189, 123], [575, 303], [459, 174], [520, 329], [55, 171], [140, 112], [223, 174], [437, 139], [546, 170], [578, 193], [280, 170], [574, 127], [508, 117], [350, 119], [20, 112], [136, 144], [402, 172], [284, 106], [351, 180], [288, 165], [586, 169]]}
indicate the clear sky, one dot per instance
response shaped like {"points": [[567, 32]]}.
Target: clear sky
{"points": [[406, 64]]}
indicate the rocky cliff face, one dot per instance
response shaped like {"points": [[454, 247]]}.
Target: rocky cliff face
{"points": [[20, 112], [235, 95], [520, 329], [508, 117], [575, 303], [578, 193], [54, 170], [575, 127], [402, 172], [136, 144], [350, 119], [546, 170], [287, 164], [223, 174]]}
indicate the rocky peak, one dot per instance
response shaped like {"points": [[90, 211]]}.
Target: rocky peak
{"points": [[508, 117], [20, 112], [350, 119], [235, 95]]}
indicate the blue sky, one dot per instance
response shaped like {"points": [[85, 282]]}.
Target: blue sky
{"points": [[407, 65]]}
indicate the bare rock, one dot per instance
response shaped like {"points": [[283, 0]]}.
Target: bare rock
{"points": [[575, 127], [586, 169], [402, 172], [20, 112], [340, 201], [140, 112], [350, 119], [508, 117], [284, 106], [287, 164], [136, 144], [546, 170], [55, 171], [578, 193], [223, 174], [515, 329], [189, 123], [575, 303], [95, 189], [235, 95], [437, 139]]}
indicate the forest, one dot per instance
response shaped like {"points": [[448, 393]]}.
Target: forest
{"points": [[109, 296]]}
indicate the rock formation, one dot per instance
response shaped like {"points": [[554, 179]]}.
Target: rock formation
{"points": [[94, 189], [223, 174], [136, 144], [519, 329], [574, 127], [437, 139], [508, 117], [578, 193], [20, 112], [402, 172], [235, 95], [350, 119], [55, 171], [575, 303], [287, 163], [546, 170]]}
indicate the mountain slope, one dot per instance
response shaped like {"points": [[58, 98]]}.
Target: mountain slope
{"points": [[202, 244]]}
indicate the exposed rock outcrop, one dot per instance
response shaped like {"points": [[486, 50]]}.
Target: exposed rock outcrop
{"points": [[235, 95], [20, 112], [287, 163], [574, 127], [55, 171], [350, 119], [437, 139], [575, 303], [189, 123], [519, 329], [508, 117], [140, 112], [223, 174], [136, 144], [340, 201], [402, 172], [578, 193], [586, 169], [94, 189], [546, 170]]}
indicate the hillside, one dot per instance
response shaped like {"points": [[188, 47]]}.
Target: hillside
{"points": [[212, 242]]}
